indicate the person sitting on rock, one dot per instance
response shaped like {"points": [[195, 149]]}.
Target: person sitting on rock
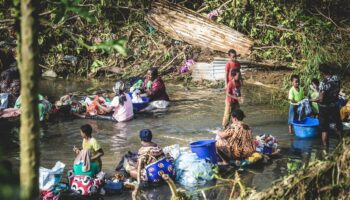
{"points": [[236, 142]]}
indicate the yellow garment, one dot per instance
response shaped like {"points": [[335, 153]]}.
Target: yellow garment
{"points": [[314, 94], [255, 157], [93, 146], [345, 112], [296, 96]]}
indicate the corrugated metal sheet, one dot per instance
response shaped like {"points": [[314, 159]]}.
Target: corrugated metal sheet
{"points": [[210, 71]]}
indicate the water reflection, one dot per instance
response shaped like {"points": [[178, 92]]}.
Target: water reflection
{"points": [[119, 139]]}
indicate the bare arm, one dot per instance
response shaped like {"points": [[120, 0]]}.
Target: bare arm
{"points": [[106, 109], [223, 134], [232, 96], [139, 165], [98, 155]]}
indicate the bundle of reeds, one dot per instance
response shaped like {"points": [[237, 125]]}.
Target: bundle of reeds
{"points": [[184, 24]]}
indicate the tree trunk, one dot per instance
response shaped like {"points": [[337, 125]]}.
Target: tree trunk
{"points": [[29, 131]]}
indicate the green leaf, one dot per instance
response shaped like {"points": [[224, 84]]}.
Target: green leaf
{"points": [[110, 45], [74, 6]]}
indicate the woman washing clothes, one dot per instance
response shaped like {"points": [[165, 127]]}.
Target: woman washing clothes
{"points": [[121, 104], [157, 91], [83, 164], [237, 142], [148, 153], [85, 178], [90, 144]]}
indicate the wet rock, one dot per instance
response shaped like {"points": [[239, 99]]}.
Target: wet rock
{"points": [[49, 73]]}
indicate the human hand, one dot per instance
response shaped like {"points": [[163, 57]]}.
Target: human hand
{"points": [[76, 150], [241, 100]]}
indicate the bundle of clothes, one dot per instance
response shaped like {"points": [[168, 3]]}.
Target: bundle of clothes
{"points": [[190, 170], [266, 144]]}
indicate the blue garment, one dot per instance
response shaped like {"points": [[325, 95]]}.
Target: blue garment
{"points": [[304, 109], [291, 114]]}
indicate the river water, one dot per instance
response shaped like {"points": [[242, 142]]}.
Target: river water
{"points": [[194, 114]]}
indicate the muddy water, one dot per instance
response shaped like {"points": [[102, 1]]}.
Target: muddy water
{"points": [[193, 115]]}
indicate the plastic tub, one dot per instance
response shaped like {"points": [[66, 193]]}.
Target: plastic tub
{"points": [[154, 171], [205, 149], [113, 187], [140, 106], [306, 128]]}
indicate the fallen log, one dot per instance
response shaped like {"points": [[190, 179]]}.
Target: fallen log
{"points": [[184, 24]]}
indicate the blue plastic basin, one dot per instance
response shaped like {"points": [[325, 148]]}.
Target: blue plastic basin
{"points": [[140, 106], [205, 149], [114, 187], [306, 128]]}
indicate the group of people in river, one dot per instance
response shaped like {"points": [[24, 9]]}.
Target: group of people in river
{"points": [[235, 144], [326, 105], [99, 106]]}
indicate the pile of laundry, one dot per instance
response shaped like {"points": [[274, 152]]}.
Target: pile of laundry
{"points": [[190, 170]]}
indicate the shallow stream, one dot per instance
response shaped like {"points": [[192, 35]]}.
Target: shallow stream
{"points": [[194, 114]]}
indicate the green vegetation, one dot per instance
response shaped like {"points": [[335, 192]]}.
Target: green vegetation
{"points": [[86, 38], [298, 33]]}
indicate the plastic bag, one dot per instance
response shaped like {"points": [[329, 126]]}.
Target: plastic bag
{"points": [[191, 170], [49, 177], [173, 151]]}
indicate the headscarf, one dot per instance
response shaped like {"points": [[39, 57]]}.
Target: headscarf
{"points": [[83, 157], [119, 91]]}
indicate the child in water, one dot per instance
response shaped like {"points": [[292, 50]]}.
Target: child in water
{"points": [[295, 95], [233, 96], [90, 144], [314, 94], [232, 64]]}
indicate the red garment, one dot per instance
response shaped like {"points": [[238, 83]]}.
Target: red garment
{"points": [[231, 65], [93, 109], [84, 185], [234, 89], [158, 90]]}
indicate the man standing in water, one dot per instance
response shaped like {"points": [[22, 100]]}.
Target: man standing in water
{"points": [[328, 103]]}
